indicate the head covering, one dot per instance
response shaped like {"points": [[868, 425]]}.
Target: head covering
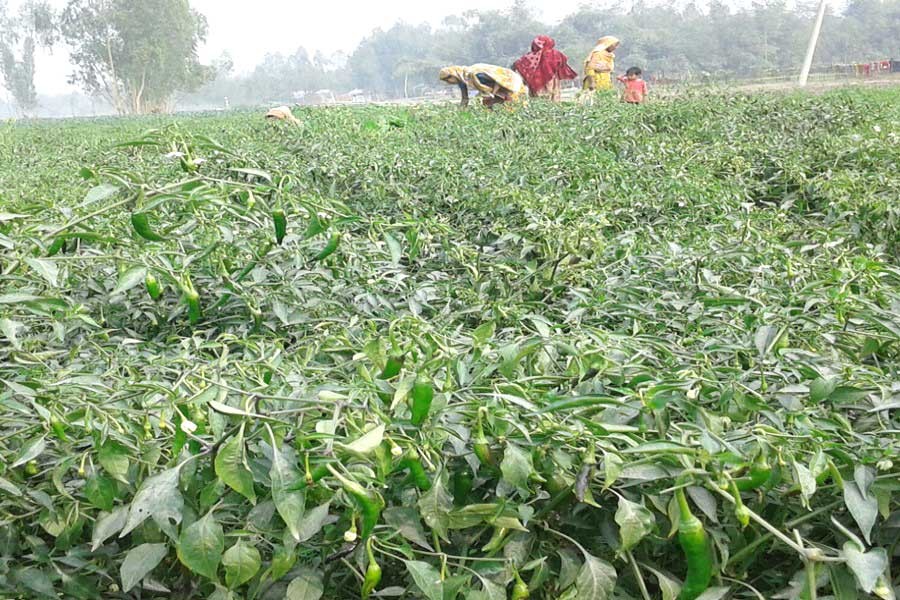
{"points": [[542, 64], [460, 73], [606, 42], [506, 78]]}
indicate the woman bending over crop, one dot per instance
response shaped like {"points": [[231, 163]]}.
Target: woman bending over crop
{"points": [[495, 84], [599, 65], [544, 68]]}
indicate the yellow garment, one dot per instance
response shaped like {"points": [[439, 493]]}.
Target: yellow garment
{"points": [[510, 82], [454, 74], [600, 80]]}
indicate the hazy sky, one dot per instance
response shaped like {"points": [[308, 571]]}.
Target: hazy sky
{"points": [[249, 30]]}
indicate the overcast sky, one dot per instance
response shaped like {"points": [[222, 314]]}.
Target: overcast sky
{"points": [[249, 30]]}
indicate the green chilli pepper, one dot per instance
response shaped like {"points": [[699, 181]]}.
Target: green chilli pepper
{"points": [[697, 550], [56, 246], [192, 299], [392, 367], [370, 503], [59, 429], [462, 485], [329, 248], [497, 539], [311, 478], [373, 572], [520, 589], [481, 446], [760, 473], [740, 511], [154, 289], [416, 471], [141, 223], [422, 396], [280, 220]]}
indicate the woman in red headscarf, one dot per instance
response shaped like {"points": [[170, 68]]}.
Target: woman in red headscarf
{"points": [[544, 67]]}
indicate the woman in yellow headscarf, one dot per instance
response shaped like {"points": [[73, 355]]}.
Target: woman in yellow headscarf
{"points": [[495, 84], [599, 65]]}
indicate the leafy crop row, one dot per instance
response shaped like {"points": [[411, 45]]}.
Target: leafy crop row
{"points": [[489, 353]]}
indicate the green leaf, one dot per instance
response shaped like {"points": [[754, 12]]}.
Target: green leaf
{"points": [[36, 580], [100, 491], [406, 521], [394, 247], [806, 480], [635, 521], [820, 389], [863, 508], [290, 505], [843, 582], [427, 579], [766, 338], [10, 330], [241, 562], [231, 468], [489, 591], [104, 191], [9, 487], [158, 496], [313, 521], [200, 547], [107, 525], [668, 586], [308, 585], [483, 333], [867, 567], [30, 451], [129, 279], [596, 579], [138, 563], [115, 458], [368, 442], [45, 268], [517, 467], [435, 506], [283, 560]]}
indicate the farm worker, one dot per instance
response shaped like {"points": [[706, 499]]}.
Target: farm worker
{"points": [[635, 86], [544, 67], [599, 65], [496, 84], [282, 113]]}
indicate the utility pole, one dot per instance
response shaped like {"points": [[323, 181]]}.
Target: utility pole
{"points": [[813, 42]]}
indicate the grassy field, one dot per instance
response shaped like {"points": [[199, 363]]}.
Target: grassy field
{"points": [[498, 355]]}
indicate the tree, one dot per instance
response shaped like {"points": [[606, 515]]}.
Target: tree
{"points": [[20, 36], [136, 55]]}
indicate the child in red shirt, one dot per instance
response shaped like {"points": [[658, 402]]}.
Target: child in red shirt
{"points": [[635, 87]]}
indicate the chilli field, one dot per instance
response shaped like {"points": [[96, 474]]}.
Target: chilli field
{"points": [[559, 353]]}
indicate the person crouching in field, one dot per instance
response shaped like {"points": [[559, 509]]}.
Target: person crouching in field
{"points": [[598, 68], [544, 68], [635, 87], [495, 84]]}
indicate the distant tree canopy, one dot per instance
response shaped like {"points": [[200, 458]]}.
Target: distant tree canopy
{"points": [[136, 55], [769, 36], [20, 35]]}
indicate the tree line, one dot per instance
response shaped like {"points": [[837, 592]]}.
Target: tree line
{"points": [[769, 37], [139, 56]]}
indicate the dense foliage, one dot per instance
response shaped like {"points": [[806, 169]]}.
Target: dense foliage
{"points": [[539, 353]]}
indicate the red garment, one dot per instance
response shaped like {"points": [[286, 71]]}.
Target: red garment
{"points": [[542, 64], [635, 90]]}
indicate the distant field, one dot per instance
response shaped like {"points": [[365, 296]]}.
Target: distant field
{"points": [[488, 352]]}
